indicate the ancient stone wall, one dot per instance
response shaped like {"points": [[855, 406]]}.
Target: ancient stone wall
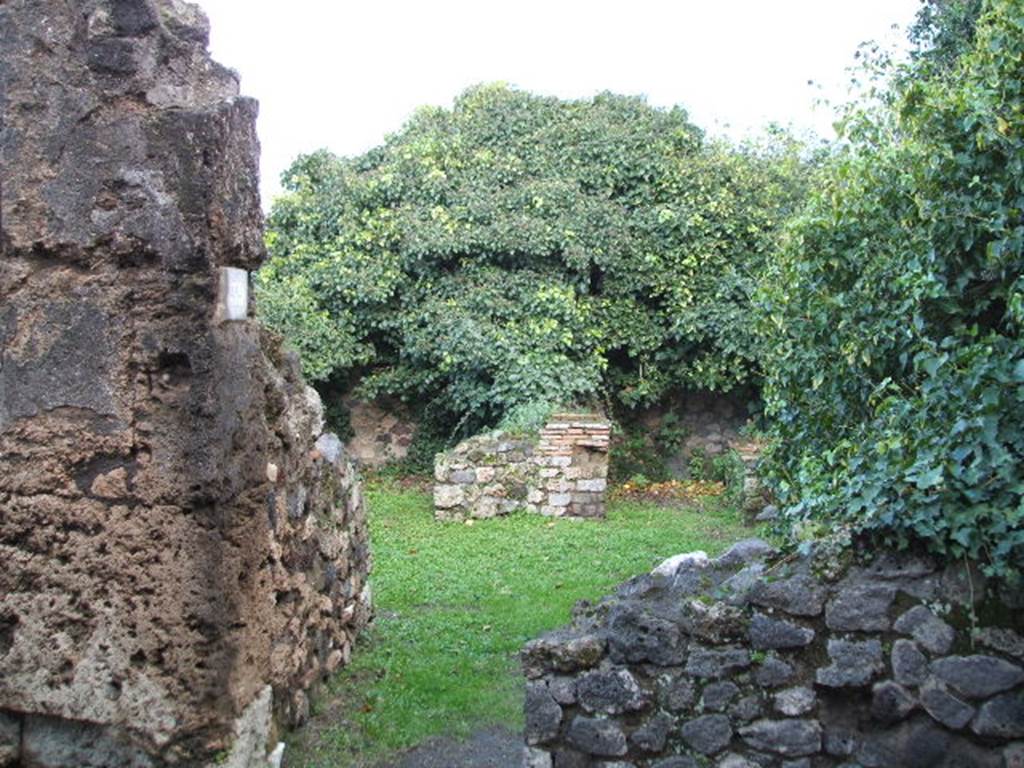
{"points": [[561, 472], [748, 660], [184, 551], [707, 422], [382, 431]]}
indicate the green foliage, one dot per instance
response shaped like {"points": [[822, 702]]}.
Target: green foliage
{"points": [[456, 603], [640, 454], [671, 434], [634, 457], [527, 418], [893, 319], [726, 468], [944, 30], [519, 249], [324, 342]]}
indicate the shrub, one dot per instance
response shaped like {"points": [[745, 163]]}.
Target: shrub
{"points": [[895, 370], [519, 249], [527, 418], [726, 468], [634, 458]]}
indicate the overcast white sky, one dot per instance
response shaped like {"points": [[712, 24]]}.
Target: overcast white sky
{"points": [[343, 74]]}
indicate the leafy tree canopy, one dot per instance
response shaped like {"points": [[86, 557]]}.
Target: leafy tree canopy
{"points": [[895, 369], [519, 249], [944, 31]]}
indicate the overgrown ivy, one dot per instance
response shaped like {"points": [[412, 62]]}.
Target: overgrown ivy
{"points": [[518, 249], [895, 369]]}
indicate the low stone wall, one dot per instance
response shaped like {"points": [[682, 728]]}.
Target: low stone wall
{"points": [[738, 663], [560, 473]]}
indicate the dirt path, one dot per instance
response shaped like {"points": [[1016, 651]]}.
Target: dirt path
{"points": [[494, 747]]}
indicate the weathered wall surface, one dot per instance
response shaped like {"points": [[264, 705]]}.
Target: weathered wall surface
{"points": [[382, 431], [705, 422], [743, 661], [183, 551], [562, 472]]}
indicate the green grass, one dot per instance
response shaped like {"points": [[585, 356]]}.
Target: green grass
{"points": [[455, 603]]}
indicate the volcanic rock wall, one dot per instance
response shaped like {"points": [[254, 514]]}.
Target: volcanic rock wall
{"points": [[748, 661], [183, 551]]}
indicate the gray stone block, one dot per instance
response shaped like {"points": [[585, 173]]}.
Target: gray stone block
{"points": [[715, 663], [717, 696], [860, 608], [50, 742], [891, 702], [543, 715], [596, 736], [708, 735], [795, 701], [463, 476], [637, 636], [330, 447], [679, 694], [854, 663], [537, 758], [562, 689], [800, 595], [840, 741], [10, 739], [768, 633], [944, 706], [909, 665], [677, 761], [1003, 640], [931, 632], [651, 736], [732, 760], [747, 708], [1001, 717], [611, 692], [977, 676], [790, 738], [743, 553], [773, 672], [448, 496]]}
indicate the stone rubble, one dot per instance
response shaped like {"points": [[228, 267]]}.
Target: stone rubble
{"points": [[851, 669]]}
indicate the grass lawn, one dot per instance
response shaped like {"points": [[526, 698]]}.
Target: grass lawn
{"points": [[455, 603]]}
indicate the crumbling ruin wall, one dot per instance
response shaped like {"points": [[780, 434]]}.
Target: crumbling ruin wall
{"points": [[749, 661], [560, 472], [382, 431], [183, 552]]}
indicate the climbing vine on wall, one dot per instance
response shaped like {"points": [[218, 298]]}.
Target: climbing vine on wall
{"points": [[895, 369]]}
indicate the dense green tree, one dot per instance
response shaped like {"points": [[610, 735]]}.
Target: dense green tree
{"points": [[895, 365], [944, 31], [518, 249]]}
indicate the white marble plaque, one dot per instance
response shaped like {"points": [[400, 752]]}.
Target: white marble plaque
{"points": [[234, 294]]}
